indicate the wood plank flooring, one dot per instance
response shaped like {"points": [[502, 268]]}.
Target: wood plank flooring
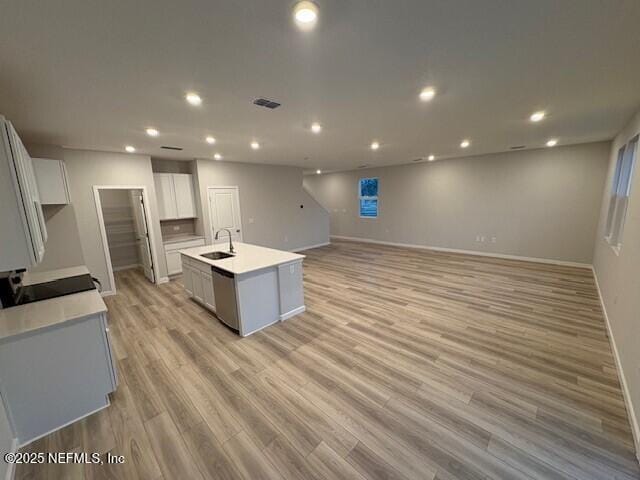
{"points": [[408, 364]]}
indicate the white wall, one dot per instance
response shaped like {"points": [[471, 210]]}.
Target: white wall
{"points": [[271, 196], [88, 168], [537, 203], [619, 280]]}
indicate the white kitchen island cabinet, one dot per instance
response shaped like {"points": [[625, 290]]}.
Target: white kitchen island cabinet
{"points": [[248, 291]]}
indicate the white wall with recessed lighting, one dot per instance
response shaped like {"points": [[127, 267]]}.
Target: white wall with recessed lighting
{"points": [[270, 200], [618, 275], [536, 203]]}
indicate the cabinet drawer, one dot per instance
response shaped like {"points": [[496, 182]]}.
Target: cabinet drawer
{"points": [[198, 242]]}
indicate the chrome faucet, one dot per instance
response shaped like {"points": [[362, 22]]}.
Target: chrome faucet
{"points": [[230, 242]]}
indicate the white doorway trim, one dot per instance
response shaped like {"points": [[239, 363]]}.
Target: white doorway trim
{"points": [[103, 232], [211, 226]]}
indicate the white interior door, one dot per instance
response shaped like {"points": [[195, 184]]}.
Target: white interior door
{"points": [[224, 209], [142, 233]]}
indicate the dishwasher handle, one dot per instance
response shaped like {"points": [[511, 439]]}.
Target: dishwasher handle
{"points": [[224, 273]]}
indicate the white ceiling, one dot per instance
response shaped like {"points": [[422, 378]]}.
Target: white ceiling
{"points": [[94, 74]]}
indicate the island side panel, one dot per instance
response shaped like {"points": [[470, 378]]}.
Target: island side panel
{"points": [[291, 289], [258, 300]]}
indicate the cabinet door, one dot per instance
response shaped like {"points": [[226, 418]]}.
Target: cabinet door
{"points": [[52, 182], [208, 293], [166, 195], [196, 278], [187, 279], [174, 263], [185, 200]]}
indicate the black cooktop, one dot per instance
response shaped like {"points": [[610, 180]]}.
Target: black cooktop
{"points": [[53, 289]]}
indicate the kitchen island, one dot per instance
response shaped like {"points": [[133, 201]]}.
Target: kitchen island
{"points": [[248, 290]]}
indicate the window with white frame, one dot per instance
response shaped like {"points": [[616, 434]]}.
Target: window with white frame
{"points": [[368, 197], [620, 191]]}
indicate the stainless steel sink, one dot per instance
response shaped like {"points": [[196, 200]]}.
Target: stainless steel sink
{"points": [[216, 255]]}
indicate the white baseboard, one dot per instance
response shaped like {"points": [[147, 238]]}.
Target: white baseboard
{"points": [[309, 247], [11, 467], [293, 313], [162, 280], [467, 252], [107, 293], [635, 427]]}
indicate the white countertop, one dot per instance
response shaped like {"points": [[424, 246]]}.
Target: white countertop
{"points": [[47, 313], [248, 258], [183, 237]]}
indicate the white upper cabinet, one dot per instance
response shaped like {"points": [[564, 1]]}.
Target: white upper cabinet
{"points": [[185, 199], [176, 195], [23, 233], [51, 176]]}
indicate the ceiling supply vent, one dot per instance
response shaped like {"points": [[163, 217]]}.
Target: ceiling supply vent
{"points": [[418, 159], [518, 147], [263, 102], [179, 149], [363, 166]]}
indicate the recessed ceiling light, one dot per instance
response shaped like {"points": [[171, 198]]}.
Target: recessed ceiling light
{"points": [[316, 127], [130, 149], [217, 156], [210, 140], [427, 94], [152, 132], [375, 146], [255, 145], [318, 172], [552, 142], [537, 116], [305, 14], [431, 158], [193, 98], [465, 144]]}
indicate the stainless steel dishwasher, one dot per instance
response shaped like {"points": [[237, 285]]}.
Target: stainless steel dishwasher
{"points": [[224, 289]]}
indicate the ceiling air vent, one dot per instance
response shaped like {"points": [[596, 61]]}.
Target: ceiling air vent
{"points": [[363, 166], [179, 149], [263, 102], [518, 147], [418, 159]]}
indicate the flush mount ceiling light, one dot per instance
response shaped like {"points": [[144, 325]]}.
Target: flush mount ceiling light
{"points": [[255, 145], [427, 94], [537, 116], [130, 149], [305, 14], [193, 98], [152, 132], [375, 146], [210, 140], [318, 172], [431, 158], [316, 127], [552, 142], [465, 144], [217, 156]]}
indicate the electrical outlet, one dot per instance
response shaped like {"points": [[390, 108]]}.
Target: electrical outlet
{"points": [[477, 238], [494, 239], [286, 238], [482, 238], [251, 220], [292, 269]]}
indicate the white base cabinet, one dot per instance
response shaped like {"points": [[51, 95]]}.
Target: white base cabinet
{"points": [[56, 375], [198, 282], [172, 253]]}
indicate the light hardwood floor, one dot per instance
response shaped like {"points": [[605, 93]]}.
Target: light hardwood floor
{"points": [[407, 364]]}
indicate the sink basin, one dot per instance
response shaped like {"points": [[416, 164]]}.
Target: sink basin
{"points": [[216, 255]]}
